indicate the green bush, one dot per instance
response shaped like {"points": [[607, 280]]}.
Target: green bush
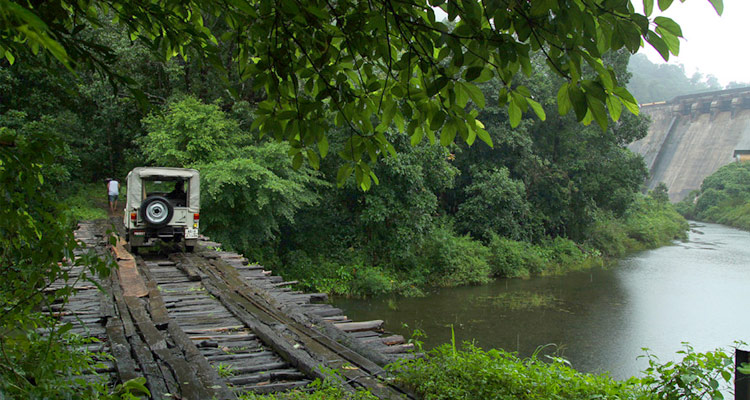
{"points": [[697, 376], [371, 281], [724, 197], [648, 223], [472, 373], [513, 259], [87, 202], [453, 260]]}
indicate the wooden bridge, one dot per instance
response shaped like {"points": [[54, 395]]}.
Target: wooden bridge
{"points": [[210, 325]]}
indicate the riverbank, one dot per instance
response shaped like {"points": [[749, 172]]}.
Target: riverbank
{"points": [[600, 318], [450, 260], [724, 198]]}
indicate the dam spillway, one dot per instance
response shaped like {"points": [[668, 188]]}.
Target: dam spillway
{"points": [[692, 136]]}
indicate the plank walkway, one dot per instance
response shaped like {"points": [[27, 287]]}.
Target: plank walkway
{"points": [[210, 325]]}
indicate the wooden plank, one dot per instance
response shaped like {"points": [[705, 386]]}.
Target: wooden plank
{"points": [[189, 384], [159, 313], [130, 280], [313, 341], [185, 264], [151, 371], [289, 351], [208, 376], [120, 349], [360, 326]]}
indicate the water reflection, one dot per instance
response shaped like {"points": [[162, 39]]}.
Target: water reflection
{"points": [[694, 291]]}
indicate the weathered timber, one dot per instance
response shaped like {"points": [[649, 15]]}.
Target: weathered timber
{"points": [[360, 326], [333, 352], [294, 355], [186, 265], [121, 350]]}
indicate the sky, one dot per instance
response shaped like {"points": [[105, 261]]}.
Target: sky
{"points": [[714, 45]]}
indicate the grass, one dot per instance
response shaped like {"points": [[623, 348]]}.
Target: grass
{"points": [[87, 202], [521, 301]]}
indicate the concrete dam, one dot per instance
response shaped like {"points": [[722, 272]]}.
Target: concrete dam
{"points": [[692, 136]]}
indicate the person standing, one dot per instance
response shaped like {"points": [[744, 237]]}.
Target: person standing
{"points": [[113, 190]]}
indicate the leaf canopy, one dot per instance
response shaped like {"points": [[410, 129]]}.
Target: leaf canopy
{"points": [[366, 67]]}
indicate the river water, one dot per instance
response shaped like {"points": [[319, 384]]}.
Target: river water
{"points": [[696, 291]]}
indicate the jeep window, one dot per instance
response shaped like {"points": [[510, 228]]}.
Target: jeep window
{"points": [[173, 189]]}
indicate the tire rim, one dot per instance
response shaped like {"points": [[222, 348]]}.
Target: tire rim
{"points": [[156, 212]]}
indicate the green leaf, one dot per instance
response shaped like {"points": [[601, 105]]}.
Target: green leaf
{"points": [[659, 44], [297, 161], [485, 136], [344, 172], [514, 112], [313, 158], [718, 6], [437, 120], [615, 107], [472, 73], [578, 99], [416, 138], [475, 94], [538, 109], [669, 25], [323, 146], [648, 7], [563, 100], [597, 110], [664, 4], [448, 134]]}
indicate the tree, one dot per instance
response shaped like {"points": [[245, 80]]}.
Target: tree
{"points": [[248, 188], [316, 61]]}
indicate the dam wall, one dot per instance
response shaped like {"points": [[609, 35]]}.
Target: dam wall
{"points": [[692, 136]]}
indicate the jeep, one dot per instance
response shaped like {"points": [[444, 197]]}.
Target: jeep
{"points": [[162, 204]]}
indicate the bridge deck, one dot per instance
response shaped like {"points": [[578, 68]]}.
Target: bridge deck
{"points": [[210, 325]]}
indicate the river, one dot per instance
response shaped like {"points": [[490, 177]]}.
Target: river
{"points": [[695, 291]]}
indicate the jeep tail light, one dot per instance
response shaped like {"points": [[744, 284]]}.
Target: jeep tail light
{"points": [[196, 216], [133, 216]]}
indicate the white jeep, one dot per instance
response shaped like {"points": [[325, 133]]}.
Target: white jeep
{"points": [[164, 204]]}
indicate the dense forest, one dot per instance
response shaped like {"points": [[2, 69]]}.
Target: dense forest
{"points": [[405, 200], [440, 215]]}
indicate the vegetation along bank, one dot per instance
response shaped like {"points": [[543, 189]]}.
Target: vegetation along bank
{"points": [[724, 197]]}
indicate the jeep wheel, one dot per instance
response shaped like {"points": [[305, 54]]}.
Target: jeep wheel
{"points": [[156, 211]]}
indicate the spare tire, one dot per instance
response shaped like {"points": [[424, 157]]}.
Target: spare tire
{"points": [[156, 211]]}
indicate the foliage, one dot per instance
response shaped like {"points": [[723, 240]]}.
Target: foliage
{"points": [[509, 258], [495, 204], [247, 188], [697, 376], [86, 203], [246, 198], [472, 373], [452, 260], [648, 223], [724, 197], [321, 67], [35, 237], [189, 133]]}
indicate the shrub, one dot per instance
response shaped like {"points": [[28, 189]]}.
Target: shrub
{"points": [[513, 259], [453, 260], [697, 376], [472, 373], [371, 281]]}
